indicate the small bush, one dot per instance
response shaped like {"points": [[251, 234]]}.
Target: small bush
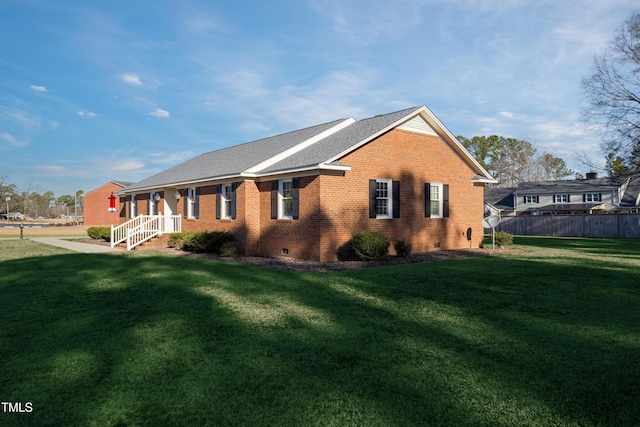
{"points": [[229, 249], [402, 248], [368, 245], [103, 233], [504, 239], [201, 241]]}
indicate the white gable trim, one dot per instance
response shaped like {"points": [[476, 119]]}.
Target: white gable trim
{"points": [[418, 124], [283, 155], [440, 130]]}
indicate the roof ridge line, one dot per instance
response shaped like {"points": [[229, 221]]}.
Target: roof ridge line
{"points": [[301, 146]]}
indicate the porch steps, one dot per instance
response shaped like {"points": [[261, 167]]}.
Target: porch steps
{"points": [[158, 242]]}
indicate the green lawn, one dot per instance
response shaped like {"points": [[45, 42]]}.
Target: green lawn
{"points": [[547, 336]]}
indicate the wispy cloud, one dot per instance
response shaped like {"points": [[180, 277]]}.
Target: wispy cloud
{"points": [[87, 114], [21, 117], [159, 113], [38, 88], [11, 141], [57, 170], [507, 114], [132, 79]]}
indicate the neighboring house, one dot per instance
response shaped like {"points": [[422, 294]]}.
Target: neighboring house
{"points": [[592, 195], [13, 216], [96, 205], [304, 193], [499, 201]]}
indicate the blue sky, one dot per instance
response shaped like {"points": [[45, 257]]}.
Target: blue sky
{"points": [[94, 91]]}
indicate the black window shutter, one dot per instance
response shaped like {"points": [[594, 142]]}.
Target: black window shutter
{"points": [[445, 200], [233, 200], [296, 198], [599, 197], [427, 200], [568, 198], [396, 199], [149, 211], [218, 200], [274, 199], [184, 202], [554, 198], [372, 198], [584, 198], [196, 207]]}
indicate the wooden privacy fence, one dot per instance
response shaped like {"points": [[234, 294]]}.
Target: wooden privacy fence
{"points": [[613, 225]]}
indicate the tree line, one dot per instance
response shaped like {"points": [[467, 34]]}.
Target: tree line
{"points": [[31, 203], [512, 161]]}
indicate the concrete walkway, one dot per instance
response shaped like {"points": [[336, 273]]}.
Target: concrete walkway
{"points": [[88, 248]]}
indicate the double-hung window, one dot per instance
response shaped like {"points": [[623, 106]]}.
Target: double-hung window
{"points": [[561, 198], [384, 201], [531, 199], [384, 198], [436, 200], [191, 203], [593, 197], [285, 199], [226, 201]]}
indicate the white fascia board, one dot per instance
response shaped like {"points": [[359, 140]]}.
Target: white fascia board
{"points": [[485, 181], [283, 155], [305, 170], [181, 184]]}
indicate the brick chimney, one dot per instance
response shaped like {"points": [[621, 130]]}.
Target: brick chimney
{"points": [[592, 175]]}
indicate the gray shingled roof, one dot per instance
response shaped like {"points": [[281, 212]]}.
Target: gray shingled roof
{"points": [[501, 198], [570, 186], [339, 142], [239, 159], [632, 192], [230, 161]]}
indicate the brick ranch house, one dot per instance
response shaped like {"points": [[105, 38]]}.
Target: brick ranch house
{"points": [[303, 194], [96, 204]]}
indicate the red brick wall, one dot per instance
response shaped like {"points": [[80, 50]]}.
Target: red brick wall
{"points": [[245, 227], [96, 204], [299, 238], [333, 207], [413, 159]]}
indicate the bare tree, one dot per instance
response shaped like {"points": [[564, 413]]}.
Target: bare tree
{"points": [[613, 93]]}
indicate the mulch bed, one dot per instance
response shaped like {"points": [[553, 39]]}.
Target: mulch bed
{"points": [[292, 264]]}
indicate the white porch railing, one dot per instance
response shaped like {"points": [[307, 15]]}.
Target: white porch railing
{"points": [[144, 227]]}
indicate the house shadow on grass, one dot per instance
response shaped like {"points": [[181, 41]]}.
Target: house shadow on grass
{"points": [[105, 340]]}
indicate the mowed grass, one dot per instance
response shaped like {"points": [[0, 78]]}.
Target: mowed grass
{"points": [[546, 336]]}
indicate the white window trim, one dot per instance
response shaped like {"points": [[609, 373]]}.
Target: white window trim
{"points": [[223, 201], [595, 197], [389, 214], [281, 198], [440, 200], [191, 202], [531, 199], [562, 198]]}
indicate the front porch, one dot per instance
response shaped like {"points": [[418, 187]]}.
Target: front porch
{"points": [[143, 228]]}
